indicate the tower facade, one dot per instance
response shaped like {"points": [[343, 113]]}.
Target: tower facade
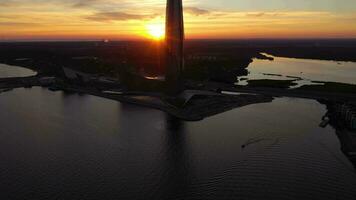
{"points": [[174, 42]]}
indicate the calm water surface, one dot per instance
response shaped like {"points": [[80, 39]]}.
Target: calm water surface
{"points": [[59, 146], [14, 71], [307, 69]]}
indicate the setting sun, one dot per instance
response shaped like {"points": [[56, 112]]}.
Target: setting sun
{"points": [[155, 31]]}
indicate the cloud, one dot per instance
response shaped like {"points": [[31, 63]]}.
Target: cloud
{"points": [[7, 3], [18, 24], [262, 14], [85, 3], [196, 11], [118, 16]]}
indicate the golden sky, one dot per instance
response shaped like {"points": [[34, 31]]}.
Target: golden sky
{"points": [[205, 19]]}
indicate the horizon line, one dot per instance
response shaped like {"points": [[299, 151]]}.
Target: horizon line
{"points": [[191, 39]]}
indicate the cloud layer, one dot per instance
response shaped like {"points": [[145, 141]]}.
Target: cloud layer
{"points": [[118, 16]]}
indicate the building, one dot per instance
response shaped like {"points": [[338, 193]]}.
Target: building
{"points": [[345, 115], [72, 74], [46, 81]]}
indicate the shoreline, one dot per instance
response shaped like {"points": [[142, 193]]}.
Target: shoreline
{"points": [[197, 109]]}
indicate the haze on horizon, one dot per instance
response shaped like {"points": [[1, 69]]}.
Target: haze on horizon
{"points": [[205, 19]]}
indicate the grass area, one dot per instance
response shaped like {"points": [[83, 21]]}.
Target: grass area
{"points": [[283, 84], [224, 69], [330, 87]]}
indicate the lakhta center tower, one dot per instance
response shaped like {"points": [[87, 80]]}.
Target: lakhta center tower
{"points": [[174, 44]]}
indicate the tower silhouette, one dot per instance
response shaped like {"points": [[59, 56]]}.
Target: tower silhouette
{"points": [[174, 44]]}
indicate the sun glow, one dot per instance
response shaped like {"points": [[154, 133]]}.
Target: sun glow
{"points": [[155, 31]]}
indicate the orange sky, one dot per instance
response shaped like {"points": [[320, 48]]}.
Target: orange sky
{"points": [[130, 19]]}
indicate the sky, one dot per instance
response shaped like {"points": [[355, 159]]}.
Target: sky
{"points": [[204, 19]]}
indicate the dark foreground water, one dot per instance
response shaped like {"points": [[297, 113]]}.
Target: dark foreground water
{"points": [[58, 146]]}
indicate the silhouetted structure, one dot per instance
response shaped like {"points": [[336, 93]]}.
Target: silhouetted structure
{"points": [[174, 44]]}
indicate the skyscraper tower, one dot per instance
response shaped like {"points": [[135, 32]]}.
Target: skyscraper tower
{"points": [[174, 43]]}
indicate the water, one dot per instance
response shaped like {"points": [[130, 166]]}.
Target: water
{"points": [[7, 71], [306, 69], [55, 145]]}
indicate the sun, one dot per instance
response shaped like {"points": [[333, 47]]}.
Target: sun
{"points": [[155, 31]]}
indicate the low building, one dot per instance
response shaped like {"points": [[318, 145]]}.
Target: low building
{"points": [[45, 81], [353, 122], [346, 114], [77, 75]]}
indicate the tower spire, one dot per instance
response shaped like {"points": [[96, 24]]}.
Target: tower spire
{"points": [[174, 42]]}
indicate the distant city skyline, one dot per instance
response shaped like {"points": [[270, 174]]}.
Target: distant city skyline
{"points": [[204, 19]]}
